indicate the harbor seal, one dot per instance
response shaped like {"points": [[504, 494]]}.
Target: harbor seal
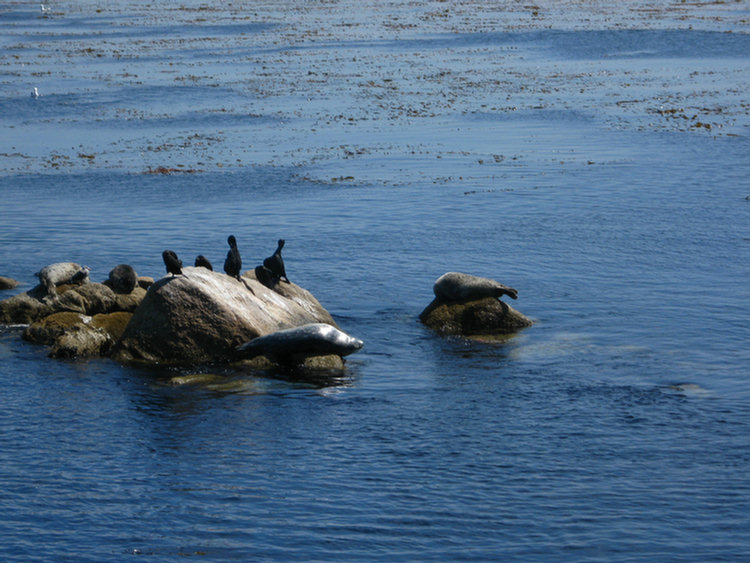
{"points": [[62, 273], [314, 339], [455, 286], [7, 283], [123, 279], [233, 262], [173, 264]]}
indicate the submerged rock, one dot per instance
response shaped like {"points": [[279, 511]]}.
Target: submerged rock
{"points": [[203, 316], [468, 305]]}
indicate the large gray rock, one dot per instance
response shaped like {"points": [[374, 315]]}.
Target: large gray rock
{"points": [[203, 316]]}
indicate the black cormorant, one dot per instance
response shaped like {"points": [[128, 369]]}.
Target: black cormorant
{"points": [[173, 264], [275, 263], [233, 263], [202, 261]]}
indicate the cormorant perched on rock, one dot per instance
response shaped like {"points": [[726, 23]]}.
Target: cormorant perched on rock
{"points": [[202, 261], [173, 264], [275, 263], [233, 263]]}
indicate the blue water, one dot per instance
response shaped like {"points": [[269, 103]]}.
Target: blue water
{"points": [[617, 428]]}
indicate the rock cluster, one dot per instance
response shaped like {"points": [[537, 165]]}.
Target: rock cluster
{"points": [[73, 320], [200, 316]]}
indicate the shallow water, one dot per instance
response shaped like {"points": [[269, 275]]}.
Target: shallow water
{"points": [[614, 429]]}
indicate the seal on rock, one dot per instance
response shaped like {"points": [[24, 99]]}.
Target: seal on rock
{"points": [[173, 264], [123, 279], [202, 262], [233, 262], [7, 283], [314, 339], [455, 286], [62, 273]]}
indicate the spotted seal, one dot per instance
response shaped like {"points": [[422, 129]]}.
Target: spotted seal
{"points": [[455, 286], [61, 273], [314, 339]]}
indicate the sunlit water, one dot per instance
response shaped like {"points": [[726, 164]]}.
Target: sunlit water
{"points": [[617, 428]]}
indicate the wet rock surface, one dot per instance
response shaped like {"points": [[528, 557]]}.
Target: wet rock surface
{"points": [[482, 317]]}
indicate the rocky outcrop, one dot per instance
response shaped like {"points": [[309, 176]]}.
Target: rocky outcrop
{"points": [[88, 299], [202, 316], [468, 305], [71, 334], [26, 307]]}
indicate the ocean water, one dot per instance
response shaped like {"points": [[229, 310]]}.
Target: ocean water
{"points": [[616, 428]]}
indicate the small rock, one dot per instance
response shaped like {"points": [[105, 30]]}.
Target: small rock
{"points": [[81, 341], [47, 330], [488, 316], [26, 307], [145, 282], [129, 302]]}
